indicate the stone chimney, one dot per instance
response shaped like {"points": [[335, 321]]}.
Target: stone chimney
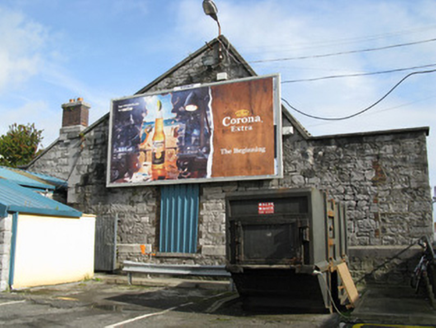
{"points": [[75, 118], [76, 113]]}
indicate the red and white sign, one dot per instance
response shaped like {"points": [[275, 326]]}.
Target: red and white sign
{"points": [[266, 208]]}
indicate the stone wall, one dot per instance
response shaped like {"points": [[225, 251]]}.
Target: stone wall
{"points": [[383, 264], [5, 250], [381, 177], [192, 70]]}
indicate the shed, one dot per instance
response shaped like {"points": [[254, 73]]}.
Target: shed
{"points": [[42, 241]]}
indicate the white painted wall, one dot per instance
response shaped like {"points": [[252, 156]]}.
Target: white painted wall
{"points": [[53, 250]]}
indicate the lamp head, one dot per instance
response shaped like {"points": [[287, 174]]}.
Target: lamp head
{"points": [[210, 9]]}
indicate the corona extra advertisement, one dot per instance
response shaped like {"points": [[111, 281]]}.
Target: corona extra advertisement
{"points": [[217, 132]]}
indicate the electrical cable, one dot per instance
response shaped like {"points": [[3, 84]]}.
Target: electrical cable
{"points": [[229, 54], [359, 74], [343, 52], [363, 110], [319, 273], [329, 43]]}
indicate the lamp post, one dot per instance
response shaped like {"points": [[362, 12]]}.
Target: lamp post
{"points": [[211, 10]]}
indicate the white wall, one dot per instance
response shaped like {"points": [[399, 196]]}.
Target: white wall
{"points": [[53, 250]]}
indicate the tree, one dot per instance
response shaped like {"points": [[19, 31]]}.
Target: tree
{"points": [[19, 145]]}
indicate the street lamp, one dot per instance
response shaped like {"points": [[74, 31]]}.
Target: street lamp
{"points": [[211, 10]]}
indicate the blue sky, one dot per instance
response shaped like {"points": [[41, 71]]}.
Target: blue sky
{"points": [[55, 50]]}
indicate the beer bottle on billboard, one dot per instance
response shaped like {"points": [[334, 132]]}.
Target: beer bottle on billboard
{"points": [[158, 171]]}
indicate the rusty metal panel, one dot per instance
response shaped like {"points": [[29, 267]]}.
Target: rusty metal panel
{"points": [[179, 218], [105, 243]]}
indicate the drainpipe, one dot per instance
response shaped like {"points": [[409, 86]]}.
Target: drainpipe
{"points": [[13, 249]]}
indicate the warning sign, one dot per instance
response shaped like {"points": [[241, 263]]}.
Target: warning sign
{"points": [[266, 208]]}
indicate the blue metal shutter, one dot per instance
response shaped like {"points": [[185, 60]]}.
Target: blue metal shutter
{"points": [[179, 218]]}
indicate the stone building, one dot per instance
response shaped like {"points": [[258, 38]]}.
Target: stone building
{"points": [[381, 177]]}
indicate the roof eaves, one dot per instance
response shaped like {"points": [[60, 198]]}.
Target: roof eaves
{"points": [[41, 183], [96, 123], [43, 211], [42, 153], [424, 129], [56, 182], [24, 178], [230, 48], [222, 40], [171, 70], [15, 198], [295, 123]]}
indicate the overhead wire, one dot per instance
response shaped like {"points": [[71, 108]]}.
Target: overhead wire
{"points": [[354, 75], [343, 52], [329, 43], [358, 74], [363, 110], [321, 123], [237, 61]]}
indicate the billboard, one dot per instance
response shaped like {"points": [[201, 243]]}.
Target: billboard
{"points": [[213, 132]]}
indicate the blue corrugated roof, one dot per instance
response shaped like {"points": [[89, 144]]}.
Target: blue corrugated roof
{"points": [[52, 180], [30, 179], [14, 198]]}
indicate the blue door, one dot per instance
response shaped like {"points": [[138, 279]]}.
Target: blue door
{"points": [[179, 218]]}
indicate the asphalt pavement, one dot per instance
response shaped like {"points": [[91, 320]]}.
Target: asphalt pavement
{"points": [[108, 301], [157, 303], [381, 304]]}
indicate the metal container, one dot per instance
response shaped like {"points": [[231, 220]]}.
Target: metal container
{"points": [[282, 246]]}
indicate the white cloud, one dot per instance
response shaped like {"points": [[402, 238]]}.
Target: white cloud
{"points": [[20, 53]]}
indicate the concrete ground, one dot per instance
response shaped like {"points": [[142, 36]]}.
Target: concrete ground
{"points": [[108, 301], [394, 305]]}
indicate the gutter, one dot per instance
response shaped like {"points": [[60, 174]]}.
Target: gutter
{"points": [[4, 210]]}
